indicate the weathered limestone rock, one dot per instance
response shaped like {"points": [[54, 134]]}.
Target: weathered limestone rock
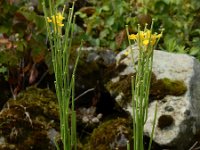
{"points": [[176, 90]]}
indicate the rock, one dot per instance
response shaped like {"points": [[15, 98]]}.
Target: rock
{"points": [[175, 87], [30, 122], [91, 74], [88, 116], [112, 134]]}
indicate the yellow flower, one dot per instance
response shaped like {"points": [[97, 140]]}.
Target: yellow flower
{"points": [[126, 53], [144, 38], [141, 35], [48, 19], [132, 37], [145, 42], [57, 21], [158, 36]]}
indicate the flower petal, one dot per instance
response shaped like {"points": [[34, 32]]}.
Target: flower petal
{"points": [[49, 20], [132, 37], [145, 42]]}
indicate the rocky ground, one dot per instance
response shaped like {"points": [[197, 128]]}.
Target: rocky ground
{"points": [[103, 102]]}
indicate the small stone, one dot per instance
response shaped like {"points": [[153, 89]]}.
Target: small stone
{"points": [[169, 108], [99, 116], [2, 140], [95, 120], [85, 119], [91, 110]]}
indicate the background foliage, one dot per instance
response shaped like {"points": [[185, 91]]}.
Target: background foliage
{"points": [[100, 23]]}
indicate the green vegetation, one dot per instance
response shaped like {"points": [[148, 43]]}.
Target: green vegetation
{"points": [[60, 45], [22, 35], [22, 28], [105, 27], [146, 41], [24, 44]]}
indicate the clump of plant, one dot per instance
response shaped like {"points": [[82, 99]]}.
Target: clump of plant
{"points": [[60, 45], [146, 41]]}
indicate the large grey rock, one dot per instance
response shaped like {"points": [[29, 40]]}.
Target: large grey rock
{"points": [[178, 117]]}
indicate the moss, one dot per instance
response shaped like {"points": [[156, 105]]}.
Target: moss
{"points": [[124, 86], [38, 102], [17, 129], [158, 88], [26, 122], [162, 87], [108, 135]]}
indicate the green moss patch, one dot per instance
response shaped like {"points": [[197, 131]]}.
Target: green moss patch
{"points": [[124, 86], [27, 120], [110, 135], [158, 90], [162, 87]]}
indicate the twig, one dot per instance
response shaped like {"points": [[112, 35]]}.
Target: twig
{"points": [[193, 145], [44, 74], [89, 90]]}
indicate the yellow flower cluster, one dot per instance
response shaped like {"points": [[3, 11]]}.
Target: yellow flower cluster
{"points": [[57, 21], [144, 38]]}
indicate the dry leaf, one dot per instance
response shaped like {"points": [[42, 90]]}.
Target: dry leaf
{"points": [[120, 37]]}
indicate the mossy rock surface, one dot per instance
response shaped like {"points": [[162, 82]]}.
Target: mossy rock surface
{"points": [[30, 121], [92, 71], [159, 88], [162, 87], [38, 102], [122, 87], [110, 135]]}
